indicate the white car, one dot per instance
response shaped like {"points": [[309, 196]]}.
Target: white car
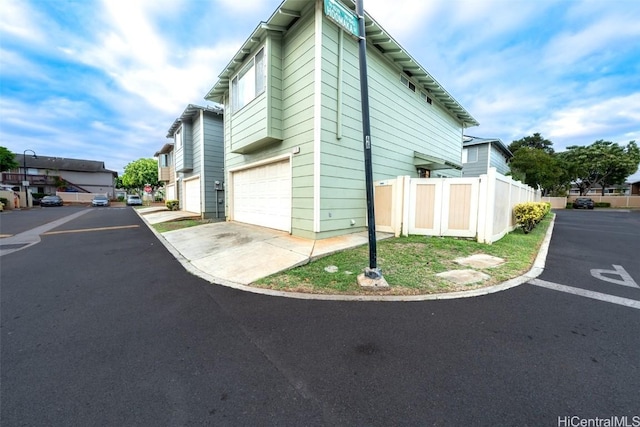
{"points": [[134, 200]]}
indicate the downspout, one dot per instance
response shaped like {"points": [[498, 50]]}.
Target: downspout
{"points": [[203, 175], [340, 80]]}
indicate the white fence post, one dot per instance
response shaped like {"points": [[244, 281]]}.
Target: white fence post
{"points": [[482, 208], [404, 204]]}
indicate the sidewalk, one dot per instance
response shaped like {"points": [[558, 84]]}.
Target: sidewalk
{"points": [[236, 255]]}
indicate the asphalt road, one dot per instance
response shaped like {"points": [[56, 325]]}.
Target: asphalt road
{"points": [[101, 326]]}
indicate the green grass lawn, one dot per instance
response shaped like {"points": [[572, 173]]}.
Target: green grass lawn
{"points": [[410, 264]]}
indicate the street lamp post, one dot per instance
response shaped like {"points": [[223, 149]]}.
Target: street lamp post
{"points": [[24, 171]]}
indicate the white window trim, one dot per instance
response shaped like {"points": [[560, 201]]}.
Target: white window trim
{"points": [[178, 138], [465, 154], [258, 86], [407, 83]]}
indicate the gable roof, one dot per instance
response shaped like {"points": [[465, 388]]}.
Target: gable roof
{"points": [[188, 114], [468, 141], [290, 11], [63, 164]]}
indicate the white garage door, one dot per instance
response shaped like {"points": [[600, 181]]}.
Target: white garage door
{"points": [[192, 195], [262, 195]]}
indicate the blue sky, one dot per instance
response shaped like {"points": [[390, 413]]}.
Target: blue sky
{"points": [[104, 80]]}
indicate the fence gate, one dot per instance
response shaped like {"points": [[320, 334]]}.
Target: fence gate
{"points": [[444, 206], [425, 206], [385, 205], [460, 207]]}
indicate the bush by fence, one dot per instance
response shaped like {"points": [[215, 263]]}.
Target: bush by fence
{"points": [[529, 214]]}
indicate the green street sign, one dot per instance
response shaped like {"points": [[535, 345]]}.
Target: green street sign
{"points": [[342, 15]]}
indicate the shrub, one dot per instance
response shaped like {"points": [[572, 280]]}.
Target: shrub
{"points": [[602, 205], [530, 213], [4, 201], [569, 205], [172, 205]]}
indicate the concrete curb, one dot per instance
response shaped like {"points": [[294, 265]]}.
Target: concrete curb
{"points": [[535, 271]]}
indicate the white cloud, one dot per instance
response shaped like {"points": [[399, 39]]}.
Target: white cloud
{"points": [[243, 6], [601, 38], [600, 119], [401, 18], [17, 20]]}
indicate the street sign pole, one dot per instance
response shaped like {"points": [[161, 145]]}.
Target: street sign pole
{"points": [[373, 272]]}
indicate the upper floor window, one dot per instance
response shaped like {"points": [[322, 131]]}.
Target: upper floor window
{"points": [[425, 97], [470, 155], [164, 160], [249, 83], [405, 81], [178, 138]]}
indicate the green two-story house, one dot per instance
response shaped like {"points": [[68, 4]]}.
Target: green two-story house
{"points": [[293, 130]]}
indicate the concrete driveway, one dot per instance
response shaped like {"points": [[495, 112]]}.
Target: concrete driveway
{"points": [[234, 253]]}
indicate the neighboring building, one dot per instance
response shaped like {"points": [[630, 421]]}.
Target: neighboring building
{"points": [[480, 154], [50, 174], [167, 170], [614, 190], [197, 157], [293, 133], [635, 187]]}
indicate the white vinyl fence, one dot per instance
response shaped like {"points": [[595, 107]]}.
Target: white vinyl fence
{"points": [[480, 208]]}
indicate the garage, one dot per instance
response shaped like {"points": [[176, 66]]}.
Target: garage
{"points": [[192, 195], [262, 195]]}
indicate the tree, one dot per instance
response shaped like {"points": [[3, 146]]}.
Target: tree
{"points": [[139, 173], [602, 163], [536, 141], [7, 160], [539, 169]]}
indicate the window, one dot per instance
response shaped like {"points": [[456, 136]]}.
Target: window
{"points": [[164, 160], [470, 155], [425, 97], [249, 83], [179, 139], [405, 81]]}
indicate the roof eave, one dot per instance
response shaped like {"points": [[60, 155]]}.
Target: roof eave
{"points": [[189, 112], [375, 35]]}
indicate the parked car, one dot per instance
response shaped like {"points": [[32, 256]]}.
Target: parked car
{"points": [[134, 200], [51, 201], [583, 203], [100, 200]]}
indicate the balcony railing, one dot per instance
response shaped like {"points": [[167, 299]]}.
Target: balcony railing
{"points": [[165, 174], [16, 179]]}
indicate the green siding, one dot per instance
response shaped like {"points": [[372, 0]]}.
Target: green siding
{"points": [[498, 160], [479, 167], [213, 163], [184, 155], [290, 91], [196, 147], [401, 123]]}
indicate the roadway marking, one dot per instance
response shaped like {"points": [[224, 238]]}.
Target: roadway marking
{"points": [[31, 237], [626, 279], [588, 294], [84, 230]]}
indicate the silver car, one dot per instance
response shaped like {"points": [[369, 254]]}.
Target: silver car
{"points": [[100, 200]]}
